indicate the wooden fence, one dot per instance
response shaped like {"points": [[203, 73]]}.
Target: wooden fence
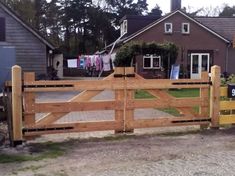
{"points": [[124, 82]]}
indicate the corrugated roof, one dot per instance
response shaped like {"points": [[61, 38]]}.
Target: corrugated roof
{"points": [[222, 25]]}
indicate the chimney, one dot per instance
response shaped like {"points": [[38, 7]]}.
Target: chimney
{"points": [[175, 5]]}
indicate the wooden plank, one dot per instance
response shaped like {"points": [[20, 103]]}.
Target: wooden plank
{"points": [[158, 103], [129, 112], [75, 106], [113, 85], [119, 96], [29, 101], [73, 85], [17, 103], [204, 95], [164, 122], [83, 96], [74, 127], [166, 84], [224, 91], [227, 105], [226, 119], [215, 96]]}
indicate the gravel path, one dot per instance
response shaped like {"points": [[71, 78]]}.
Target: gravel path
{"points": [[209, 153]]}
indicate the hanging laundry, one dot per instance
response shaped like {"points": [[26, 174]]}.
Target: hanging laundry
{"points": [[72, 63], [98, 63], [106, 63], [113, 57], [93, 60], [88, 62], [78, 63]]}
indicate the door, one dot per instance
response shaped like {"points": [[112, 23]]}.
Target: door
{"points": [[200, 62]]}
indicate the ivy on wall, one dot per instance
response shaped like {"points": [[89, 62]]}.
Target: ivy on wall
{"points": [[126, 54]]}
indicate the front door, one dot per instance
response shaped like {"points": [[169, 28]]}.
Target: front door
{"points": [[199, 62]]}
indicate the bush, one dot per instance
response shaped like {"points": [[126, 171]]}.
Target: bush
{"points": [[227, 80]]}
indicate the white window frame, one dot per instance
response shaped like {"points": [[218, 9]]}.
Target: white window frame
{"points": [[151, 61], [168, 31], [123, 27], [183, 31]]}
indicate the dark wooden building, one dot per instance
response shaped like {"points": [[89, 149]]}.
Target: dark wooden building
{"points": [[33, 52]]}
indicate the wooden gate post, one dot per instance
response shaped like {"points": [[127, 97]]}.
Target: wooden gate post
{"points": [[130, 95], [17, 105], [119, 96], [215, 96]]}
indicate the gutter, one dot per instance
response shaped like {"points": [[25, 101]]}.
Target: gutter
{"points": [[227, 55]]}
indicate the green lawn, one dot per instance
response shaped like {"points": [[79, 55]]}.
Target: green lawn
{"points": [[178, 93]]}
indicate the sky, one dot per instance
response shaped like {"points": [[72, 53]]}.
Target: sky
{"points": [[194, 4]]}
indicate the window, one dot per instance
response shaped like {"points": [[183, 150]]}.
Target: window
{"points": [[124, 27], [185, 28], [168, 28], [152, 62], [2, 29]]}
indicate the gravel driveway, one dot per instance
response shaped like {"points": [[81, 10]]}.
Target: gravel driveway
{"points": [[208, 153]]}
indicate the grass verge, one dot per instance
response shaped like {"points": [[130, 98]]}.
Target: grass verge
{"points": [[39, 152]]}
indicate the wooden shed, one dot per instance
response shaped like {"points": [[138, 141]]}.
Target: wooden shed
{"points": [[32, 51]]}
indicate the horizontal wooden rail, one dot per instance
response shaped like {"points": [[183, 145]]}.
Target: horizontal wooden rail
{"points": [[223, 91], [72, 127], [51, 86], [164, 122], [177, 103], [227, 119], [75, 106], [227, 105], [47, 86]]}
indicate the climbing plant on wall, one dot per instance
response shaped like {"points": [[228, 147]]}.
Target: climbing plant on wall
{"points": [[126, 54]]}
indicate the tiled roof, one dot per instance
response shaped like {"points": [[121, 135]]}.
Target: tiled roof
{"points": [[223, 26], [208, 27]]}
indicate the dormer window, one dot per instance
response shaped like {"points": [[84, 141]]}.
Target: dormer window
{"points": [[2, 29], [185, 28], [168, 28], [124, 27]]}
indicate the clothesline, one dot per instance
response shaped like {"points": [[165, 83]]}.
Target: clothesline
{"points": [[88, 62]]}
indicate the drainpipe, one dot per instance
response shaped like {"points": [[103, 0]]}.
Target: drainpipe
{"points": [[226, 60]]}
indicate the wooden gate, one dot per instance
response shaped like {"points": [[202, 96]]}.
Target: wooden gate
{"points": [[124, 82]]}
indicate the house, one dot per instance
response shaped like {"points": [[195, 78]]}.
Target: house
{"points": [[31, 50], [202, 42]]}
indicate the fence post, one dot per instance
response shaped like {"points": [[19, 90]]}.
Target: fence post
{"points": [[129, 113], [17, 105], [215, 96], [119, 96]]}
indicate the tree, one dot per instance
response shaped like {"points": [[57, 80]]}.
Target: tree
{"points": [[120, 8], [24, 8], [228, 11], [156, 11]]}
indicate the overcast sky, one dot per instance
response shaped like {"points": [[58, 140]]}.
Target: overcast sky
{"points": [[194, 4]]}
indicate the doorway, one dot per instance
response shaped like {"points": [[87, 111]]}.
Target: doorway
{"points": [[199, 62]]}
